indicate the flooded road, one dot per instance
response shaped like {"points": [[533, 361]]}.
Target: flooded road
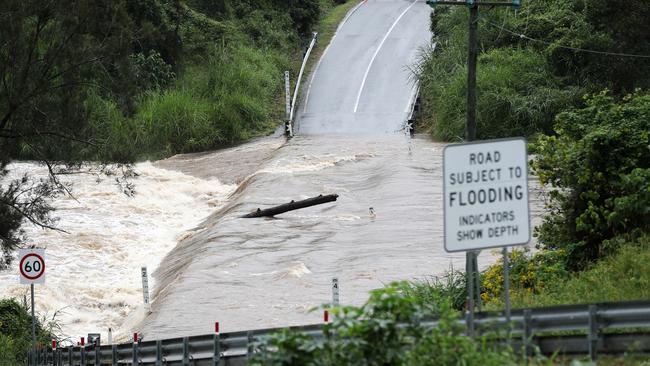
{"points": [[255, 273], [210, 264]]}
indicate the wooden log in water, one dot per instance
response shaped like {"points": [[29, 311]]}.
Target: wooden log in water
{"points": [[293, 205]]}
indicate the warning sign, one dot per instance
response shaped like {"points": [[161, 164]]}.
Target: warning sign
{"points": [[486, 195]]}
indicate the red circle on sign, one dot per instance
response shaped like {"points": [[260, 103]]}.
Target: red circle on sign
{"points": [[28, 276]]}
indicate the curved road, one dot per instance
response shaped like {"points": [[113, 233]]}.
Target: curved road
{"points": [[363, 83]]}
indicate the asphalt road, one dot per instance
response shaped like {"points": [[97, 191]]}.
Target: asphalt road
{"points": [[363, 83]]}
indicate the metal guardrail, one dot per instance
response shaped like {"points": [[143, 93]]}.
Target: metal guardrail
{"points": [[596, 328], [298, 83]]}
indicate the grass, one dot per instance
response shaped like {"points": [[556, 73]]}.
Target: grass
{"points": [[233, 93], [624, 276]]}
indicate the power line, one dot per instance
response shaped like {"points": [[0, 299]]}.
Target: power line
{"points": [[523, 36]]}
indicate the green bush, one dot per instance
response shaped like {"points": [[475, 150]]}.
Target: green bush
{"points": [[529, 273], [623, 276], [448, 289], [227, 100], [599, 168], [16, 332], [7, 356], [522, 84], [387, 330], [517, 94]]}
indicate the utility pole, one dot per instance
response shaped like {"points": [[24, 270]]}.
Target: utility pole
{"points": [[471, 257]]}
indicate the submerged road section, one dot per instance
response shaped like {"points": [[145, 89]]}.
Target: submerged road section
{"points": [[271, 272]]}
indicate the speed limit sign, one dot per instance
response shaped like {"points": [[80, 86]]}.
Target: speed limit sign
{"points": [[32, 266]]}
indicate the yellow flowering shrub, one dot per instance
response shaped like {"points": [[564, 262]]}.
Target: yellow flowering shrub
{"points": [[530, 272]]}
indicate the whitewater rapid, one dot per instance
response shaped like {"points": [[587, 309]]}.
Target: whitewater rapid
{"points": [[93, 277]]}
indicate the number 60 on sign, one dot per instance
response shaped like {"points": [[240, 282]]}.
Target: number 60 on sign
{"points": [[31, 266]]}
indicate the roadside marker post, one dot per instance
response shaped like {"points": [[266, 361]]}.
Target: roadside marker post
{"points": [[335, 291], [216, 355], [32, 271], [287, 97], [145, 289]]}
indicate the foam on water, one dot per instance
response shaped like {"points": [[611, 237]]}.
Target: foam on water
{"points": [[93, 273]]}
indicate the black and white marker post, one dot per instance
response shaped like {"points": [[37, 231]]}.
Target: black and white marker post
{"points": [[335, 291], [471, 260], [32, 271]]}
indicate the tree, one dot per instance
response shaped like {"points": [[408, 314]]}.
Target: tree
{"points": [[53, 55], [599, 167]]}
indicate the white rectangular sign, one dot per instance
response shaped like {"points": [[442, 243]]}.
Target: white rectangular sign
{"points": [[486, 194], [31, 266]]}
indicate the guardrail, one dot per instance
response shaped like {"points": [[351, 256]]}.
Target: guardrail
{"points": [[603, 328], [298, 82]]}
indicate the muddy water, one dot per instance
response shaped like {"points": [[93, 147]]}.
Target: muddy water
{"points": [[256, 273], [92, 274], [246, 273]]}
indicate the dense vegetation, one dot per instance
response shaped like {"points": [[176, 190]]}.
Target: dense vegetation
{"points": [[16, 332], [118, 81], [524, 81], [573, 75], [370, 335]]}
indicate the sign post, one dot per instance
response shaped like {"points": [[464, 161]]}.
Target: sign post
{"points": [[32, 271], [486, 200], [471, 261]]}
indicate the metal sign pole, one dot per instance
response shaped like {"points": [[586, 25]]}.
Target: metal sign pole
{"points": [[470, 135], [33, 327], [471, 257], [506, 288], [469, 272]]}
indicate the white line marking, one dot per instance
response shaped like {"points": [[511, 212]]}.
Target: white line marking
{"points": [[313, 75], [372, 60]]}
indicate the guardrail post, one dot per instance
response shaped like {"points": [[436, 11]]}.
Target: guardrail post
{"points": [[135, 353], [159, 353], [249, 341], [527, 333], [592, 337], [82, 354], [98, 355], [113, 355], [70, 356], [186, 351], [216, 348]]}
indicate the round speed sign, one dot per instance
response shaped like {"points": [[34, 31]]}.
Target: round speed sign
{"points": [[32, 266]]}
